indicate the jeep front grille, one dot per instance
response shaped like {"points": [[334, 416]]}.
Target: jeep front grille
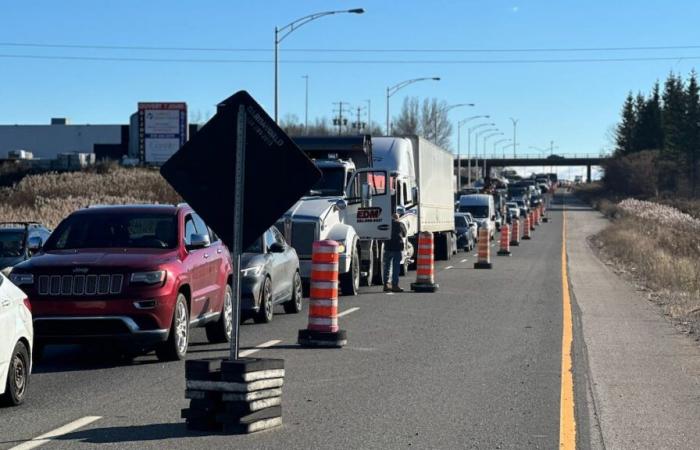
{"points": [[65, 285]]}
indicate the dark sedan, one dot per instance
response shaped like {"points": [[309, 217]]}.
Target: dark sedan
{"points": [[464, 227], [19, 241], [270, 276]]}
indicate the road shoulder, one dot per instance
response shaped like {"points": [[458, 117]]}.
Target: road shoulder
{"points": [[643, 375]]}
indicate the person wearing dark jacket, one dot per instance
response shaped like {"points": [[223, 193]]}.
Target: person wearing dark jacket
{"points": [[393, 250]]}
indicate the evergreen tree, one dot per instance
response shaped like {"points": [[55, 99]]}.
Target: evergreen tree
{"points": [[673, 118], [692, 128], [624, 135], [648, 131]]}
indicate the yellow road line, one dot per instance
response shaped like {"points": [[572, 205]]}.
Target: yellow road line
{"points": [[567, 421]]}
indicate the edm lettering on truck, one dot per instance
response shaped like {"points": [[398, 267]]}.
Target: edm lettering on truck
{"points": [[370, 214]]}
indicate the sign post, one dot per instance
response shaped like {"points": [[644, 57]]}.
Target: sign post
{"points": [[270, 174]]}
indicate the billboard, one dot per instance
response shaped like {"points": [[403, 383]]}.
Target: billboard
{"points": [[162, 130]]}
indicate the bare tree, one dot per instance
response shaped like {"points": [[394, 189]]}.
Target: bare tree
{"points": [[434, 122], [408, 119]]}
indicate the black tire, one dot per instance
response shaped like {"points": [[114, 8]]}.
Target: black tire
{"points": [[378, 279], [17, 376], [350, 281], [265, 313], [366, 280], [293, 306], [175, 348], [443, 252], [403, 270], [220, 331]]}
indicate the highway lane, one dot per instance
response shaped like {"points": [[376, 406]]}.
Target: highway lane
{"points": [[476, 365]]}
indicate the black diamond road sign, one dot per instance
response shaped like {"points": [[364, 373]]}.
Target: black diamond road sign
{"points": [[277, 172]]}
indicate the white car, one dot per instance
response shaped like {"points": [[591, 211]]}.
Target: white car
{"points": [[16, 337]]}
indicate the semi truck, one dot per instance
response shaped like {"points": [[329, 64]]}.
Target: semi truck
{"points": [[365, 180]]}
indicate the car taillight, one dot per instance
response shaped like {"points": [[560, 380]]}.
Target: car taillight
{"points": [[28, 304]]}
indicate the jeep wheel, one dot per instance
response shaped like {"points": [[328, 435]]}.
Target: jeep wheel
{"points": [[175, 348], [350, 281], [293, 306], [17, 377], [265, 313], [220, 331]]}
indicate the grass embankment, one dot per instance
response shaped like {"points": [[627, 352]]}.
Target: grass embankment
{"points": [[50, 197], [659, 247]]}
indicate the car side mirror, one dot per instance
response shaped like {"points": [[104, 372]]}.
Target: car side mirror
{"points": [[276, 247], [198, 241], [34, 244], [366, 196]]}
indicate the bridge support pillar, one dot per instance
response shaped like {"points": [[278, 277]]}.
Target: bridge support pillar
{"points": [[588, 173]]}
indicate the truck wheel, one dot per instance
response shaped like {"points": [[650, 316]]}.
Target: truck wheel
{"points": [[350, 281], [366, 280], [293, 306], [443, 252], [220, 331], [265, 314], [378, 262], [175, 348], [17, 377]]}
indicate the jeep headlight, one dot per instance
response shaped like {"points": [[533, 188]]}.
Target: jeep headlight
{"points": [[21, 278], [153, 277], [254, 271], [341, 246]]}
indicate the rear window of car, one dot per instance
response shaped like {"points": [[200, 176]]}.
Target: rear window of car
{"points": [[115, 230], [11, 243], [460, 222]]}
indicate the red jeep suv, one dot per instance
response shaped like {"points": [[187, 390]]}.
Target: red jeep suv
{"points": [[141, 274]]}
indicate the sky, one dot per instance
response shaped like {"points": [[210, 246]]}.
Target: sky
{"points": [[496, 54]]}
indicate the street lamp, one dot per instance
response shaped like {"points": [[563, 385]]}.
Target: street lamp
{"points": [[447, 109], [486, 138], [500, 142], [395, 88], [459, 150], [477, 135], [283, 32], [515, 142], [469, 148]]}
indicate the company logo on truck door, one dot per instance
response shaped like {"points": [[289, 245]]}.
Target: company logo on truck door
{"points": [[371, 214]]}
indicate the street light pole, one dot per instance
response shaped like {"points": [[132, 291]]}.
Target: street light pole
{"points": [[283, 32], [391, 90], [486, 138], [447, 109], [515, 141], [369, 115], [306, 105], [500, 142], [476, 144], [459, 150], [469, 147]]}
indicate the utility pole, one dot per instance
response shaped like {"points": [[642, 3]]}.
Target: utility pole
{"points": [[369, 115], [359, 125], [306, 105], [515, 141], [339, 119]]}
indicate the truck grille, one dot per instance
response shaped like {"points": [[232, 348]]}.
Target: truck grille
{"points": [[303, 236], [102, 284]]}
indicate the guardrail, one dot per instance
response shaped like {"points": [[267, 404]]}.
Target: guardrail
{"points": [[531, 156]]}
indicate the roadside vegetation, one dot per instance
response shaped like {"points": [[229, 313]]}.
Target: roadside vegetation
{"points": [[50, 197]]}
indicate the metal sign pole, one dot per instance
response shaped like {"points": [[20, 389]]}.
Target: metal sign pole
{"points": [[236, 251]]}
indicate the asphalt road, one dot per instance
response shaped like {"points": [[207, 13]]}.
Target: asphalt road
{"points": [[475, 365]]}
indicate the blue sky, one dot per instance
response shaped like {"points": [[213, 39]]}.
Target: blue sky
{"points": [[573, 104]]}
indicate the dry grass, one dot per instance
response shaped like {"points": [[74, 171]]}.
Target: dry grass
{"points": [[659, 246], [50, 197]]}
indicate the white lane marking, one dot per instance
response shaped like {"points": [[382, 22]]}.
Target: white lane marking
{"points": [[476, 254], [348, 311], [259, 347], [51, 435], [449, 267], [464, 260]]}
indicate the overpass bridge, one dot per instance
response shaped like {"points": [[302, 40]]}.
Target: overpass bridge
{"points": [[584, 160]]}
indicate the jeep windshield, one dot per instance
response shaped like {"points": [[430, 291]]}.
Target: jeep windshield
{"points": [[11, 243], [115, 230], [332, 182]]}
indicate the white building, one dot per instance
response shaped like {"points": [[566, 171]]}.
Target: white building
{"points": [[47, 141]]}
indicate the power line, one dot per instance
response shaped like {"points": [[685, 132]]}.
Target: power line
{"points": [[347, 61], [352, 50]]}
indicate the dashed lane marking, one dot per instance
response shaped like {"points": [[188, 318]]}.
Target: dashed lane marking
{"points": [[464, 260], [258, 348], [58, 432], [449, 267], [348, 311]]}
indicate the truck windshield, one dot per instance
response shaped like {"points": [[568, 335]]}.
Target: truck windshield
{"points": [[332, 182], [11, 243], [115, 230], [479, 211]]}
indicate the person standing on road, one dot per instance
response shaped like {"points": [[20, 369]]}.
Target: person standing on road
{"points": [[393, 250]]}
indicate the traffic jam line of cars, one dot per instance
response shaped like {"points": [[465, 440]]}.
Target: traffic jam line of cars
{"points": [[140, 276]]}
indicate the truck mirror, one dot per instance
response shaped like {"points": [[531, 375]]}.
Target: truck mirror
{"points": [[366, 195], [341, 204], [414, 194]]}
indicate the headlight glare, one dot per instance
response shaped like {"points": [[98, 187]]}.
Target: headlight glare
{"points": [[153, 277], [253, 271]]}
